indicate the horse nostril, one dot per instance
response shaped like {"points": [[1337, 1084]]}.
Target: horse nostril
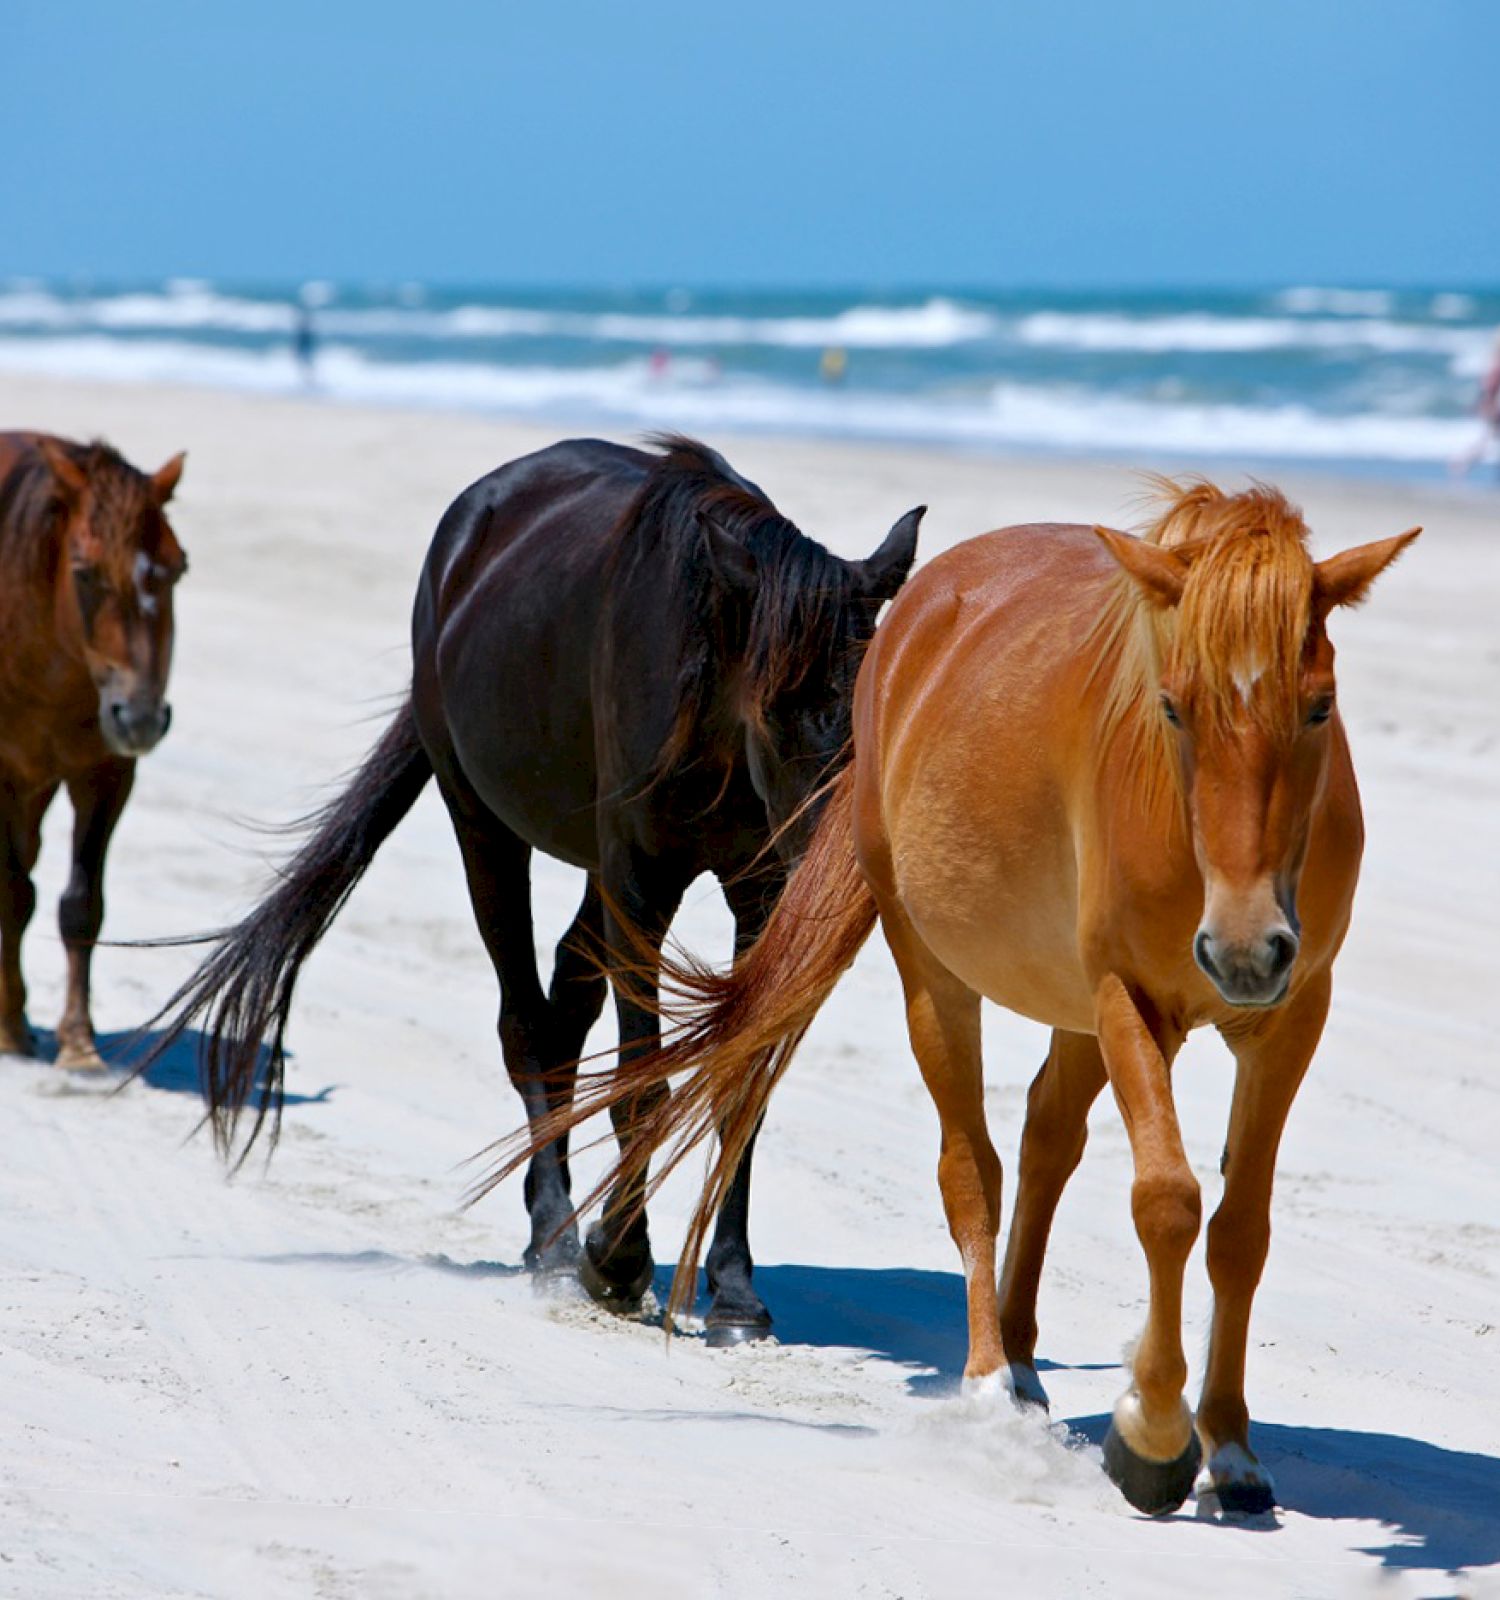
{"points": [[1282, 952], [1203, 954]]}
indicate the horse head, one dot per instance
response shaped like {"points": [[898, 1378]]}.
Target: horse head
{"points": [[811, 621], [1245, 688], [120, 564]]}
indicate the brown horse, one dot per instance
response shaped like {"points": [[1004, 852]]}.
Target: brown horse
{"points": [[87, 567], [1101, 781]]}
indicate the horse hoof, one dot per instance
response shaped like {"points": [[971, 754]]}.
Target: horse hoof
{"points": [[558, 1259], [1234, 1484], [1026, 1388], [1157, 1488], [1245, 1499], [80, 1058], [624, 1299], [729, 1333]]}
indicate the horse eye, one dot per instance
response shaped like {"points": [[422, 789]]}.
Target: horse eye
{"points": [[1320, 713], [1169, 711]]}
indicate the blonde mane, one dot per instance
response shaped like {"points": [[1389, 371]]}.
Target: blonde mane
{"points": [[1238, 634]]}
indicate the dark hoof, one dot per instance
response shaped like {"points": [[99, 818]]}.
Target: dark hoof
{"points": [[1156, 1487], [726, 1333], [556, 1259], [1026, 1389], [1245, 1499], [623, 1298]]}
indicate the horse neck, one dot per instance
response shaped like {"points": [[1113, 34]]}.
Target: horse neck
{"points": [[662, 695]]}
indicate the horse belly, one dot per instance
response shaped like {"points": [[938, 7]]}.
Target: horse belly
{"points": [[992, 892]]}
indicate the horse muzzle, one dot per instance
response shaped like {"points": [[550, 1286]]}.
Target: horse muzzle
{"points": [[134, 726], [1254, 972]]}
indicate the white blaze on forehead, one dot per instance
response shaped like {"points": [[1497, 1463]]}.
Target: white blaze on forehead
{"points": [[147, 574], [1246, 675]]}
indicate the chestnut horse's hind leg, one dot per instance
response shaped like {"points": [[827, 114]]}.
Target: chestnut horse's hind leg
{"points": [[942, 1018], [1151, 1450], [1270, 1062], [20, 843], [98, 800], [1057, 1110]]}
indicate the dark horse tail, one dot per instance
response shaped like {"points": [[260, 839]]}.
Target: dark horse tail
{"points": [[243, 991], [734, 1033]]}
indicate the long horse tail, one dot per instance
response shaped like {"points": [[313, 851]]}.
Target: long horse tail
{"points": [[242, 992], [733, 1033]]}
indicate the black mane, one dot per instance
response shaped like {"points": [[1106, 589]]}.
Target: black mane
{"points": [[803, 607]]}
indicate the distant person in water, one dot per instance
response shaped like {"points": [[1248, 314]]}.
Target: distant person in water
{"points": [[305, 344], [1489, 416], [833, 364]]}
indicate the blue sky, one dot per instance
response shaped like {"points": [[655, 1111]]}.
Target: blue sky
{"points": [[1082, 142]]}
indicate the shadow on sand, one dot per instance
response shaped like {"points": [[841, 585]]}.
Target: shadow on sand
{"points": [[1442, 1507], [176, 1071], [914, 1318]]}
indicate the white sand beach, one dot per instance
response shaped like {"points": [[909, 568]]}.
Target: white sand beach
{"points": [[324, 1378]]}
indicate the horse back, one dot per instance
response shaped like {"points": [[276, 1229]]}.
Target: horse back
{"points": [[507, 614]]}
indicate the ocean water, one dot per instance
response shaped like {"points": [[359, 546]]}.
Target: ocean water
{"points": [[1350, 378]]}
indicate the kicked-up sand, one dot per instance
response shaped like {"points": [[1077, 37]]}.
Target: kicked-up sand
{"points": [[326, 1379]]}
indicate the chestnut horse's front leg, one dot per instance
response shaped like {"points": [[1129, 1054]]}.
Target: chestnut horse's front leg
{"points": [[1151, 1450], [98, 799], [1271, 1058]]}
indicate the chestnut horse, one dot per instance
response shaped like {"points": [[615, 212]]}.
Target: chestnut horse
{"points": [[87, 567], [630, 661], [1101, 781]]}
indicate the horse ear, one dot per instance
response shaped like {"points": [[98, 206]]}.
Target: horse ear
{"points": [[164, 480], [1159, 573], [883, 573], [65, 469], [733, 565], [1345, 579]]}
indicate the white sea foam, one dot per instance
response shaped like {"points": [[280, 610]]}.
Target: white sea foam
{"points": [[1338, 302], [693, 395], [1203, 332], [1452, 305], [190, 305]]}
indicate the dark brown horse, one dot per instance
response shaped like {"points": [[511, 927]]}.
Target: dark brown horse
{"points": [[87, 567], [634, 663]]}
